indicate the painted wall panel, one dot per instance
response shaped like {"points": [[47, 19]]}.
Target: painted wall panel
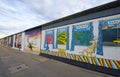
{"points": [[49, 40], [6, 41], [62, 39], [18, 40], [10, 43], [33, 40], [13, 41], [88, 42], [52, 46], [110, 35], [23, 41]]}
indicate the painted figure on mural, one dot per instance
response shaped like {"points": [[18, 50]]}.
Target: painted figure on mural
{"points": [[18, 41], [92, 48], [32, 40], [30, 46]]}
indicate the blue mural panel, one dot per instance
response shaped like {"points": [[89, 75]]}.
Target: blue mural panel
{"points": [[81, 35], [49, 39], [108, 34]]}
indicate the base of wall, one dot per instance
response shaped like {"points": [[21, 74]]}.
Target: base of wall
{"points": [[101, 69]]}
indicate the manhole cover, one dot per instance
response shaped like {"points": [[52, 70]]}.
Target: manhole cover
{"points": [[41, 59], [17, 68]]}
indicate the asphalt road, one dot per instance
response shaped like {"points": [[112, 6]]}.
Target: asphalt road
{"points": [[14, 63]]}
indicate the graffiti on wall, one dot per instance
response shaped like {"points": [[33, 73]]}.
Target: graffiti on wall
{"points": [[108, 63], [111, 30], [2, 42], [18, 40], [6, 41], [32, 40], [10, 42], [63, 37], [82, 35], [109, 34], [49, 39]]}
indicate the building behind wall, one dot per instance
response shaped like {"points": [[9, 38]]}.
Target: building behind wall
{"points": [[90, 39]]}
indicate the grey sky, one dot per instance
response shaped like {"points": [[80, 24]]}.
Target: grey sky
{"points": [[18, 15]]}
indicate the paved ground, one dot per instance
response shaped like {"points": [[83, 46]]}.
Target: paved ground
{"points": [[14, 63]]}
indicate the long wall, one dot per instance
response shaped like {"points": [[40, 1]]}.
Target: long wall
{"points": [[78, 37], [82, 41], [94, 41]]}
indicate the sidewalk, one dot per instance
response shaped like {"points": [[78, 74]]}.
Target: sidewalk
{"points": [[14, 63]]}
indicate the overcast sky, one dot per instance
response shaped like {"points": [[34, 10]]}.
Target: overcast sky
{"points": [[18, 15]]}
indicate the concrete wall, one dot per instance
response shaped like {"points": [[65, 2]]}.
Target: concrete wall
{"points": [[109, 52]]}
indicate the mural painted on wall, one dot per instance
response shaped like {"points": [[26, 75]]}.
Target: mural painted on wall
{"points": [[111, 32], [2, 41], [6, 41], [10, 41], [62, 39], [32, 40], [108, 63], [49, 39], [82, 35], [82, 38], [18, 40]]}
